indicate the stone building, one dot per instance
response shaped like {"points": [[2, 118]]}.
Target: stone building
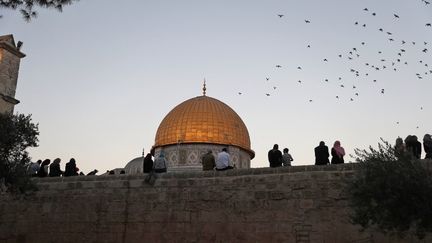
{"points": [[10, 56], [200, 124]]}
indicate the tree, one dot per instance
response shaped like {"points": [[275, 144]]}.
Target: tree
{"points": [[391, 193], [26, 7], [17, 133]]}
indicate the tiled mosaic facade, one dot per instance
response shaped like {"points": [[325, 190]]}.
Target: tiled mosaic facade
{"points": [[189, 155]]}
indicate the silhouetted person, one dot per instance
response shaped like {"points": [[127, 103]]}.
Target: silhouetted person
{"points": [[159, 165], [208, 161], [275, 156], [223, 160], [337, 153], [427, 145], [55, 170], [286, 157], [93, 172], [322, 154], [43, 170], [400, 148], [71, 169], [148, 163]]}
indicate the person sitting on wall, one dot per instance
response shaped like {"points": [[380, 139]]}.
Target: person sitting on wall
{"points": [[33, 168], [43, 170], [71, 169], [275, 156], [286, 157], [148, 163], [427, 145], [55, 170], [322, 154], [208, 161], [159, 165], [337, 153], [223, 161]]}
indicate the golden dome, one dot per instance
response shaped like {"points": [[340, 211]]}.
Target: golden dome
{"points": [[203, 120]]}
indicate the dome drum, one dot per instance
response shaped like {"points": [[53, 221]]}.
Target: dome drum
{"points": [[189, 155]]}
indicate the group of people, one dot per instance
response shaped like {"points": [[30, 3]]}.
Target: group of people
{"points": [[276, 158], [158, 166], [47, 168], [220, 163], [412, 147]]}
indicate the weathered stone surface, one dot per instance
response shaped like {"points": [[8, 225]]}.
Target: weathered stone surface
{"points": [[305, 204]]}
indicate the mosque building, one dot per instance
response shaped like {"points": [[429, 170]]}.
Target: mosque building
{"points": [[194, 127]]}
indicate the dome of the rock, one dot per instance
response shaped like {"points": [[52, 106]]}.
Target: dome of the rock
{"points": [[199, 124]]}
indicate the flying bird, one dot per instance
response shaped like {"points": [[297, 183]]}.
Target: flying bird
{"points": [[307, 21], [428, 25], [299, 68], [280, 15], [373, 14], [382, 91], [366, 9], [267, 79], [268, 94], [278, 66], [396, 16], [239, 93]]}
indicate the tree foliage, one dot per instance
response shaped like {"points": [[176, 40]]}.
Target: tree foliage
{"points": [[17, 133], [26, 7], [391, 193]]}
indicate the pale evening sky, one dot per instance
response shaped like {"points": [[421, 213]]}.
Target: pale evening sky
{"points": [[101, 76]]}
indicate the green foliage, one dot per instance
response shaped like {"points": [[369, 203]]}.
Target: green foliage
{"points": [[26, 7], [391, 193], [17, 133]]}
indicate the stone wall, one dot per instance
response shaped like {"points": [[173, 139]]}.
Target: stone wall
{"points": [[293, 204], [9, 67]]}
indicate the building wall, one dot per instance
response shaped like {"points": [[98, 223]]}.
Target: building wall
{"points": [[292, 204], [189, 155], [9, 67]]}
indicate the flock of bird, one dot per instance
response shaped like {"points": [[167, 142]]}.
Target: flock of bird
{"points": [[392, 58]]}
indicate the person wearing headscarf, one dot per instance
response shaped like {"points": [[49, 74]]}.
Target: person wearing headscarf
{"points": [[147, 163], [427, 145], [337, 152], [321, 154], [159, 165], [71, 169], [55, 170]]}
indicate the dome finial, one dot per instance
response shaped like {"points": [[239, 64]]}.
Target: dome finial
{"points": [[204, 87]]}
